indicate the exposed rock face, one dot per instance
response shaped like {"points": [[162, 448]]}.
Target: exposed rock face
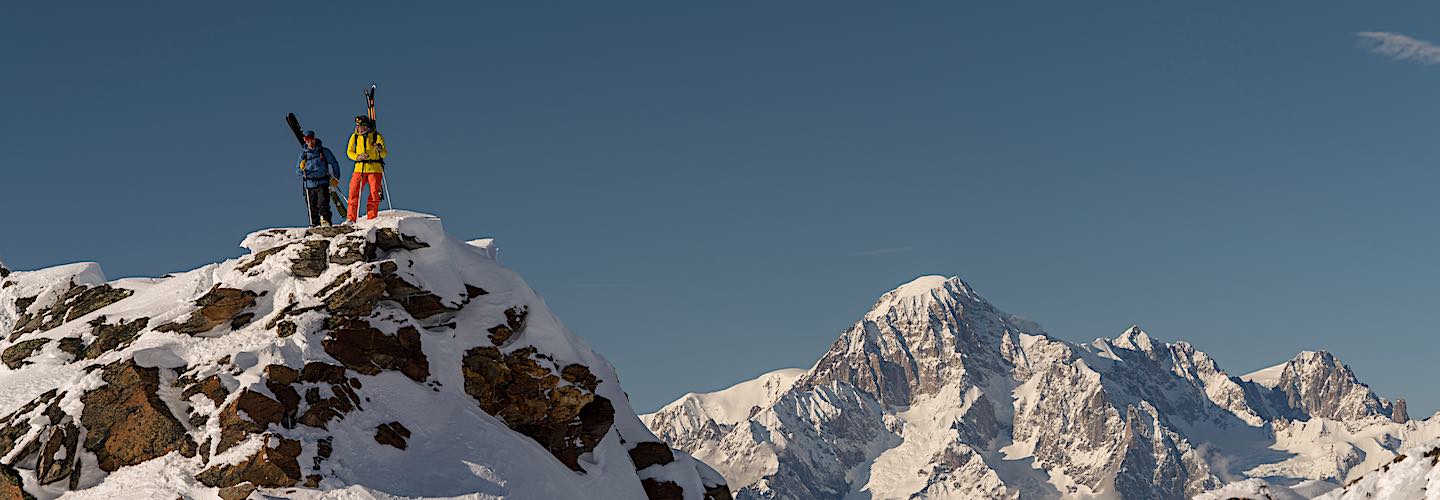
{"points": [[127, 421], [78, 301], [274, 465], [14, 356], [217, 307], [311, 259], [365, 349], [109, 337], [562, 413], [392, 434], [1319, 385], [249, 413], [11, 486], [1399, 415], [391, 240], [357, 298], [514, 324]]}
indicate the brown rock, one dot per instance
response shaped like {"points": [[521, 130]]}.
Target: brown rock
{"points": [[285, 329], [219, 305], [391, 240], [237, 492], [17, 424], [514, 325], [127, 423], [357, 298], [365, 349], [649, 453], [353, 250], [72, 345], [11, 486], [474, 291], [310, 261], [211, 387], [331, 231], [392, 434], [15, 356], [569, 420], [112, 337], [282, 374], [316, 371], [323, 449], [291, 309], [273, 466], [717, 492], [77, 301], [335, 283], [47, 469], [418, 302], [260, 257], [662, 490], [259, 412]]}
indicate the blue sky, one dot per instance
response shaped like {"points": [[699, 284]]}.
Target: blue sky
{"points": [[707, 191]]}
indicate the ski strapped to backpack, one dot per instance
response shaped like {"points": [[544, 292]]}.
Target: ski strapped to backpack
{"points": [[370, 113], [335, 198]]}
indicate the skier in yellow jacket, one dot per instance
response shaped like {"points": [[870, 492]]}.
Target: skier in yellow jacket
{"points": [[367, 150]]}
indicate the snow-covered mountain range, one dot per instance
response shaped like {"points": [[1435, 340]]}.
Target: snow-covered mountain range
{"points": [[936, 393], [381, 360]]}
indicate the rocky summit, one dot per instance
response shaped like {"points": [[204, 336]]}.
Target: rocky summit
{"points": [[937, 393], [378, 360]]}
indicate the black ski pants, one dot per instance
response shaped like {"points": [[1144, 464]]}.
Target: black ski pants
{"points": [[318, 198]]}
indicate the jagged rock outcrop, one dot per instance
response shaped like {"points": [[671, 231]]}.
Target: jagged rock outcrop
{"points": [[260, 372]]}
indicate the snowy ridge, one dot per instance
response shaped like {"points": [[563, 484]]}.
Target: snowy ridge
{"points": [[936, 393], [381, 360]]}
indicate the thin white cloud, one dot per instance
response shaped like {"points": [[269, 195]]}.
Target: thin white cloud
{"points": [[1400, 47]]}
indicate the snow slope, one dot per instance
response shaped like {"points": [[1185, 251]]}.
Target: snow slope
{"points": [[428, 370]]}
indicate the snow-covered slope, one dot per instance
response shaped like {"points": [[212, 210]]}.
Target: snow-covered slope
{"points": [[381, 360], [936, 393]]}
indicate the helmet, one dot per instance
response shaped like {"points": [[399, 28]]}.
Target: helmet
{"points": [[363, 120]]}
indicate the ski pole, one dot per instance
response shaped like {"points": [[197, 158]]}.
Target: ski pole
{"points": [[385, 184]]}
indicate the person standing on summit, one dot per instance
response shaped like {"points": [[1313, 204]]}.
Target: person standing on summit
{"points": [[367, 149], [320, 172]]}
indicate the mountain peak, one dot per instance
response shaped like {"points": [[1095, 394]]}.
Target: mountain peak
{"points": [[1135, 339]]}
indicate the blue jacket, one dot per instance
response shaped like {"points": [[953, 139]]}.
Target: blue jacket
{"points": [[317, 166]]}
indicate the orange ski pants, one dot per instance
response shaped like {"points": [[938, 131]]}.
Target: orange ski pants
{"points": [[372, 203]]}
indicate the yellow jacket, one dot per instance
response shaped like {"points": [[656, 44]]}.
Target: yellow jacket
{"points": [[372, 145]]}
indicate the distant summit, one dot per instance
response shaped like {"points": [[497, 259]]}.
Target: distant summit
{"points": [[936, 393]]}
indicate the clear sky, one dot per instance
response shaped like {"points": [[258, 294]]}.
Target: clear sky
{"points": [[706, 191]]}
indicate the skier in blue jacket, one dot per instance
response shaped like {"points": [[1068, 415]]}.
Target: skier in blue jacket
{"points": [[320, 171]]}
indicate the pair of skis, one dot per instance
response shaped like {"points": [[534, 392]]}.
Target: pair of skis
{"points": [[370, 112], [300, 137]]}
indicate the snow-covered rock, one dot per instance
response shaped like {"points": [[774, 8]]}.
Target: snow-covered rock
{"points": [[936, 393], [380, 360]]}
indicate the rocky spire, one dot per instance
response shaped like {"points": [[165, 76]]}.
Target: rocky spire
{"points": [[1317, 384]]}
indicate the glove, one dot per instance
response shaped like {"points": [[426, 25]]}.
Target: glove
{"points": [[334, 182], [362, 156]]}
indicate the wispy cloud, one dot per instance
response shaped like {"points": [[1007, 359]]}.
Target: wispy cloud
{"points": [[1400, 47], [886, 251]]}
